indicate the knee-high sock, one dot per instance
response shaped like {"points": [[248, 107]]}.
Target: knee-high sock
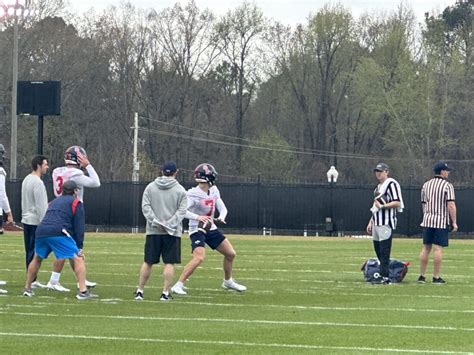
{"points": [[385, 249]]}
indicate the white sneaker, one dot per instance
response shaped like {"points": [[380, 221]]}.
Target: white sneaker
{"points": [[232, 285], [3, 292], [178, 290], [38, 284], [89, 284], [57, 287], [2, 282], [28, 292]]}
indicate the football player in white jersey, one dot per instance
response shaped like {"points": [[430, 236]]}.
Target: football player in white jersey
{"points": [[203, 200], [77, 162], [4, 203]]}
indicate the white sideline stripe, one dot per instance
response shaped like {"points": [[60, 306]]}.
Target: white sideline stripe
{"points": [[247, 321], [232, 343]]}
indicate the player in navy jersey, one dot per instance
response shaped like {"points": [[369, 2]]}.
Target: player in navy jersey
{"points": [[388, 200], [77, 163], [203, 200]]}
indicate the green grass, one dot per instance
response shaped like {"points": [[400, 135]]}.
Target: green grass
{"points": [[305, 295]]}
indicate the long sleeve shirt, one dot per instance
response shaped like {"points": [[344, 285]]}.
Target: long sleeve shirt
{"points": [[34, 200]]}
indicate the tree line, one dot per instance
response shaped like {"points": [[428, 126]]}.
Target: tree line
{"points": [[256, 98]]}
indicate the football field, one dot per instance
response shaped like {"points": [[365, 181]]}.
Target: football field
{"points": [[305, 295]]}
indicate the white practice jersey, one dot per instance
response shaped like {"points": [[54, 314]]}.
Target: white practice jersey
{"points": [[65, 173], [4, 203], [201, 203]]}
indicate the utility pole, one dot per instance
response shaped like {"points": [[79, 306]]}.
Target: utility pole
{"points": [[136, 163], [135, 173], [14, 132]]}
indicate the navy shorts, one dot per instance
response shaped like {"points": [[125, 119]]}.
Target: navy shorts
{"points": [[438, 236], [213, 238], [166, 246], [63, 247]]}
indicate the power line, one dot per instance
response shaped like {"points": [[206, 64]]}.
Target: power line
{"points": [[280, 147], [180, 135], [284, 147]]}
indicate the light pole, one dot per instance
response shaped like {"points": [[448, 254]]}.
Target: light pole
{"points": [[332, 176], [14, 9]]}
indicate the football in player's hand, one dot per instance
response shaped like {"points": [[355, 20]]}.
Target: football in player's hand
{"points": [[12, 227], [204, 226]]}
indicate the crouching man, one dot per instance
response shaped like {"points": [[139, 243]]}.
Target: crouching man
{"points": [[62, 226]]}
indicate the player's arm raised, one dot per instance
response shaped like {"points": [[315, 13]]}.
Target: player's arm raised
{"points": [[92, 180]]}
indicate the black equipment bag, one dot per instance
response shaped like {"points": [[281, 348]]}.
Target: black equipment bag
{"points": [[396, 270]]}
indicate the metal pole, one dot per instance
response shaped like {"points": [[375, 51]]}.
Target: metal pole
{"points": [[135, 173], [136, 166], [331, 186], [14, 133], [40, 134]]}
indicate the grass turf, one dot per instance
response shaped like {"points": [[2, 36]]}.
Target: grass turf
{"points": [[305, 295]]}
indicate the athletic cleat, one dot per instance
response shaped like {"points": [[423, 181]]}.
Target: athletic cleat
{"points": [[438, 281], [139, 295], [85, 295], [232, 285], [178, 290], [57, 287], [28, 292], [165, 297], [381, 281], [421, 279], [89, 284], [2, 283], [38, 284], [3, 292]]}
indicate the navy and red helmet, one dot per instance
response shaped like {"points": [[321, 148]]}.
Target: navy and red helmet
{"points": [[205, 172], [70, 156]]}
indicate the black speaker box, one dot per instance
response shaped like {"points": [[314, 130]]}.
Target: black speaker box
{"points": [[39, 98]]}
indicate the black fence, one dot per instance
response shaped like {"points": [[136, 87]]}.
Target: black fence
{"points": [[255, 207]]}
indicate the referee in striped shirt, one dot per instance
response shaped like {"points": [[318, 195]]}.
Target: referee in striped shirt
{"points": [[388, 199], [439, 216]]}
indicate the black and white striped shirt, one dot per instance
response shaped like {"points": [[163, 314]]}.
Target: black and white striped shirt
{"points": [[435, 195], [388, 216]]}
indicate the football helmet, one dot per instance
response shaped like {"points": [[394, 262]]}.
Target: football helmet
{"points": [[205, 173], [70, 157]]}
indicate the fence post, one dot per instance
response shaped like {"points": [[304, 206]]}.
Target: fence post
{"points": [[258, 200]]}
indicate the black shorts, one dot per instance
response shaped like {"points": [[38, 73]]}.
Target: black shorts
{"points": [[166, 246], [213, 238], [438, 236]]}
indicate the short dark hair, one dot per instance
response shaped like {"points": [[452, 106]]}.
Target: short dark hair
{"points": [[37, 160]]}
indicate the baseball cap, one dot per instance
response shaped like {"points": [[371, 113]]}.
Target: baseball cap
{"points": [[169, 168], [381, 167], [441, 165], [69, 187]]}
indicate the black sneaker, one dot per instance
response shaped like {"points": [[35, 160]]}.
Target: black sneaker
{"points": [[165, 297], [139, 295], [381, 281], [438, 281], [421, 279]]}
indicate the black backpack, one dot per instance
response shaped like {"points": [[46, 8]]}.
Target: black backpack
{"points": [[396, 270]]}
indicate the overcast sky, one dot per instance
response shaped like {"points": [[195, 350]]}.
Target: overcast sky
{"points": [[286, 11]]}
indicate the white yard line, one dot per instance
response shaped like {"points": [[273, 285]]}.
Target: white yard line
{"points": [[230, 343], [184, 300], [246, 321]]}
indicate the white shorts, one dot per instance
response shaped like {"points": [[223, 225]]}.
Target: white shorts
{"points": [[380, 233]]}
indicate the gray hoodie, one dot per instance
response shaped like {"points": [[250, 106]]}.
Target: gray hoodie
{"points": [[164, 205]]}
